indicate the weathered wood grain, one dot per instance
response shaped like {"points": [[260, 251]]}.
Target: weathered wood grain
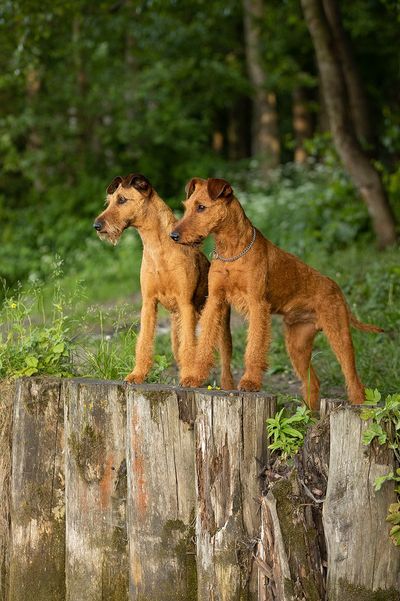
{"points": [[289, 544], [96, 543], [362, 562], [161, 496], [292, 544], [7, 393], [230, 447], [37, 493]]}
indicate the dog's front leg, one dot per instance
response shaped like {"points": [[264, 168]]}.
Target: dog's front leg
{"points": [[188, 340], [258, 338], [210, 326], [144, 344]]}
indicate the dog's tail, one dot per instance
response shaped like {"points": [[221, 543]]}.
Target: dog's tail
{"points": [[365, 327]]}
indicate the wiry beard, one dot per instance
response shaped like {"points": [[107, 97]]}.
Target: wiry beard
{"points": [[111, 233], [107, 238], [195, 243]]}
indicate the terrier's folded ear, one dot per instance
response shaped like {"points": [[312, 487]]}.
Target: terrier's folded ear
{"points": [[219, 188], [191, 185], [114, 184], [138, 181]]}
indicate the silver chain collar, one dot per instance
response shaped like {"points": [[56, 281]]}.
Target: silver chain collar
{"points": [[215, 255]]}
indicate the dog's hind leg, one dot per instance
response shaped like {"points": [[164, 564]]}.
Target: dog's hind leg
{"points": [[144, 344], [299, 338], [334, 320], [225, 349]]}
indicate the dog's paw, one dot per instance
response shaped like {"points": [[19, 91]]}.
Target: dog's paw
{"points": [[249, 385], [228, 383], [134, 378], [190, 382]]}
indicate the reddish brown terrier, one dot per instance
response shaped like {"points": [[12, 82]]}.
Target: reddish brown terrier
{"points": [[258, 278], [172, 275]]}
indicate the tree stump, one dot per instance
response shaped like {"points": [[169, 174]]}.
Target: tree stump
{"points": [[37, 493], [362, 562], [291, 551], [96, 540], [230, 448], [161, 495], [7, 393]]}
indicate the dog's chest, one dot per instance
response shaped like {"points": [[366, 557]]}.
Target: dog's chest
{"points": [[236, 287]]}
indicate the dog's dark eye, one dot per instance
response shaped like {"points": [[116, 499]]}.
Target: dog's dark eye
{"points": [[200, 208], [121, 200]]}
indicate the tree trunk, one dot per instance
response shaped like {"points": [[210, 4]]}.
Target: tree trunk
{"points": [[265, 133], [302, 123], [237, 130], [356, 94], [362, 172]]}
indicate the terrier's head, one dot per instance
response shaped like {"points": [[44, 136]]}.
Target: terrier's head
{"points": [[206, 208], [127, 198]]}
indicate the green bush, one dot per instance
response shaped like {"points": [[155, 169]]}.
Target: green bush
{"points": [[304, 207]]}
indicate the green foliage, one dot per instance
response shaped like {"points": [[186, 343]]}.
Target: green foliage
{"points": [[385, 428], [54, 334], [287, 431], [301, 207], [393, 518], [29, 347]]}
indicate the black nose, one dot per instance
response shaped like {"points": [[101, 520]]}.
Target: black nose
{"points": [[98, 225], [174, 236]]}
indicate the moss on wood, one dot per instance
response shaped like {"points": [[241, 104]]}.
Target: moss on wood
{"points": [[88, 448], [352, 592]]}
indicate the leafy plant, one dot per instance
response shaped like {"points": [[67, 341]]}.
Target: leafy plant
{"points": [[393, 517], [287, 431], [35, 346], [385, 428]]}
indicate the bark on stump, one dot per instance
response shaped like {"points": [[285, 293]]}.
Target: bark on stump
{"points": [[37, 493], [96, 541]]}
